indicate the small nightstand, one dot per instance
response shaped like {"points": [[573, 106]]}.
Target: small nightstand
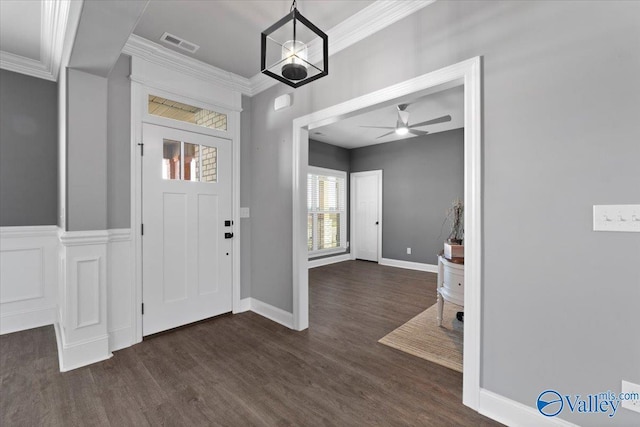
{"points": [[450, 283]]}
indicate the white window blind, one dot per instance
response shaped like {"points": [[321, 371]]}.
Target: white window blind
{"points": [[326, 204]]}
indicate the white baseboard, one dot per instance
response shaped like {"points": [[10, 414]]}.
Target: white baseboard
{"points": [[244, 305], [328, 260], [431, 268], [27, 319], [512, 413], [77, 355], [120, 338], [272, 313]]}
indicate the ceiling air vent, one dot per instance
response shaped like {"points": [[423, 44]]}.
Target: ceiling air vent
{"points": [[179, 43]]}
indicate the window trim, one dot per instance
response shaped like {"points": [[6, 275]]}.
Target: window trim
{"points": [[342, 248]]}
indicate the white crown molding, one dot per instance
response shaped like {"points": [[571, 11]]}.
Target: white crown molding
{"points": [[55, 16], [357, 27], [53, 26], [160, 55], [368, 21], [22, 65]]}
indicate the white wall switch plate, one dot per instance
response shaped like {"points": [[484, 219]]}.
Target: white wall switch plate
{"points": [[630, 389], [244, 212], [408, 251], [616, 218]]}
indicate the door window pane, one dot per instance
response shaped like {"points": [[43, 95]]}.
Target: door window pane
{"points": [[171, 159], [209, 164], [191, 162], [174, 110]]}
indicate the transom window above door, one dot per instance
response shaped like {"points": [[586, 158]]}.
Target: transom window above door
{"points": [[326, 204], [189, 162], [175, 110]]}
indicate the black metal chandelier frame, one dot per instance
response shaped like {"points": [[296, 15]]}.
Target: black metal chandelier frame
{"points": [[296, 17]]}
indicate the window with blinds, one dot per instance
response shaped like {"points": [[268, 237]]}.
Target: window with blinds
{"points": [[326, 204]]}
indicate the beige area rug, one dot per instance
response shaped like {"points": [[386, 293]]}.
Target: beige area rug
{"points": [[422, 337]]}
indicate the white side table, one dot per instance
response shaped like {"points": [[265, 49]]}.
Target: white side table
{"points": [[450, 284]]}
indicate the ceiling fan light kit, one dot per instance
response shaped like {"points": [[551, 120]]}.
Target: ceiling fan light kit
{"points": [[403, 127], [288, 48]]}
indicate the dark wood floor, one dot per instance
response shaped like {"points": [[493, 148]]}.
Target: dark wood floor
{"points": [[245, 370]]}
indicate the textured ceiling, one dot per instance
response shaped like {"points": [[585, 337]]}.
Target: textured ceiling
{"points": [[228, 32]]}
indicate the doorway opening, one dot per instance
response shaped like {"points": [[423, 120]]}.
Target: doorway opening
{"points": [[468, 75]]}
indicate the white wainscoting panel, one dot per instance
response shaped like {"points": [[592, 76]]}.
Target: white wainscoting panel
{"points": [[28, 277], [83, 332], [120, 289], [86, 299]]}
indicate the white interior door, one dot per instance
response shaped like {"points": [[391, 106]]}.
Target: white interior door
{"points": [[187, 259], [366, 208]]}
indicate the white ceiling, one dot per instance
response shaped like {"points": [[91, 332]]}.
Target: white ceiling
{"points": [[228, 32], [35, 34], [348, 132], [32, 35], [20, 28]]}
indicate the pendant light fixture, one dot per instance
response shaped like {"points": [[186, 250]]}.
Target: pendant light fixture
{"points": [[294, 51]]}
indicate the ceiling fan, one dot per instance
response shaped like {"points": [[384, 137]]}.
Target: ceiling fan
{"points": [[402, 124]]}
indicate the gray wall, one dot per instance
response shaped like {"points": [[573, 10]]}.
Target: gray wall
{"points": [[86, 151], [245, 198], [28, 150], [329, 156], [421, 177], [118, 145], [560, 135]]}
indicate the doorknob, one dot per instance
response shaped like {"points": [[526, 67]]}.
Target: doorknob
{"points": [[228, 235], [377, 222]]}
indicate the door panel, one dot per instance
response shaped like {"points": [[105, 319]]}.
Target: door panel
{"points": [[366, 187], [187, 261], [174, 253], [208, 244]]}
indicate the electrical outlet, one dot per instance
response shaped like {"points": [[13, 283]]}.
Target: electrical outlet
{"points": [[408, 251], [631, 388]]}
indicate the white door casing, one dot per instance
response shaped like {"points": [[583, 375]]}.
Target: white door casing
{"points": [[187, 261], [469, 74], [366, 205]]}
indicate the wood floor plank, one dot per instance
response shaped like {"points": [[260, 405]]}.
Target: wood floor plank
{"points": [[245, 370]]}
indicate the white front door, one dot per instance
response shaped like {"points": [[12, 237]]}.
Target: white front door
{"points": [[366, 208], [187, 260]]}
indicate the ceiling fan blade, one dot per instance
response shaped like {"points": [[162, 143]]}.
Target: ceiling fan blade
{"points": [[442, 119], [378, 127], [417, 132], [386, 134]]}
